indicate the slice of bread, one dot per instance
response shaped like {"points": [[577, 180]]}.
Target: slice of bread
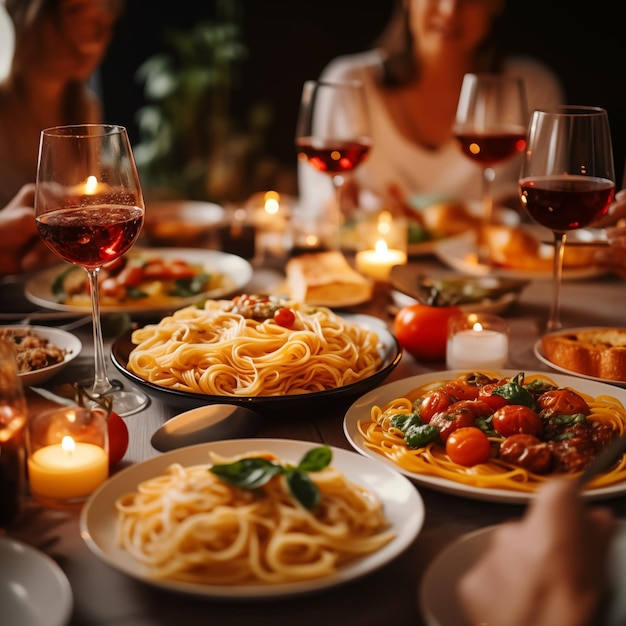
{"points": [[599, 352], [326, 279]]}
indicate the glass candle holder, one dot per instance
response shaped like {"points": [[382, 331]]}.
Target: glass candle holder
{"points": [[477, 341], [67, 454], [13, 414]]}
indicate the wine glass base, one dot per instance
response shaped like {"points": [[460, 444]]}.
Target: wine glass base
{"points": [[124, 402]]}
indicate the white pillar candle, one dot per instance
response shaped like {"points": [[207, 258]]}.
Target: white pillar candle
{"points": [[477, 348], [377, 263]]}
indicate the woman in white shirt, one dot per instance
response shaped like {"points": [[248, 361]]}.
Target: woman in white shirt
{"points": [[412, 80]]}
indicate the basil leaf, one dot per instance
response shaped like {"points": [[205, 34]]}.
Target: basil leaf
{"points": [[418, 436], [303, 489], [247, 473], [316, 459]]}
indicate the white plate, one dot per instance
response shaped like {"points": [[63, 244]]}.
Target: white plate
{"points": [[438, 602], [237, 273], [61, 339], [34, 591], [459, 253], [360, 410], [403, 507], [544, 359]]}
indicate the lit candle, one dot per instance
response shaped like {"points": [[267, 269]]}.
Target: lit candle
{"points": [[477, 348], [377, 263], [68, 470]]}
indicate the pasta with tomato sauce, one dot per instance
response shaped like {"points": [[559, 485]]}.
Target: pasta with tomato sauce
{"points": [[569, 429]]}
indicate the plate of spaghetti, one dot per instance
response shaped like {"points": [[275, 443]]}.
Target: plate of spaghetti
{"points": [[507, 431], [176, 523], [265, 352]]}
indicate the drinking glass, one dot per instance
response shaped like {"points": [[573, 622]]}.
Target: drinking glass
{"points": [[89, 209], [567, 180], [333, 134], [490, 128]]}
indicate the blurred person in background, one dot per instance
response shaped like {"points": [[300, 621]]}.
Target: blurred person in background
{"points": [[58, 44], [412, 78]]}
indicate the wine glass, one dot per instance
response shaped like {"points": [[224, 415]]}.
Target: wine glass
{"points": [[333, 134], [490, 127], [567, 180], [89, 209]]}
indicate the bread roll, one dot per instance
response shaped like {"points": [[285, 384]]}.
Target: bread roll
{"points": [[447, 219], [326, 279], [598, 352]]}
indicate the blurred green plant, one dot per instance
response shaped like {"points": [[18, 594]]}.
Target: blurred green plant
{"points": [[191, 144]]}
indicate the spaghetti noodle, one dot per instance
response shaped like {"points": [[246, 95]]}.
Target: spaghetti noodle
{"points": [[379, 435], [217, 350], [189, 525]]}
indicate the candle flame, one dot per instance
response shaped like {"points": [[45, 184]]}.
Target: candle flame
{"points": [[91, 185], [477, 327], [381, 247], [384, 223], [272, 202], [68, 444]]}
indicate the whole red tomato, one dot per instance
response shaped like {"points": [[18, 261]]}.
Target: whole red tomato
{"points": [[422, 330], [118, 438]]}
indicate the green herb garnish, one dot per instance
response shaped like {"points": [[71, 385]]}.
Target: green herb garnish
{"points": [[254, 472]]}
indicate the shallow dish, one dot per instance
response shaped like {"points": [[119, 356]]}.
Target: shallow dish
{"points": [[269, 405], [439, 607], [488, 294], [34, 591], [360, 410], [61, 339], [538, 350], [403, 506], [237, 273]]}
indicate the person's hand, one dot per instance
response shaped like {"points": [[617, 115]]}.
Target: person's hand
{"points": [[22, 249], [549, 568]]}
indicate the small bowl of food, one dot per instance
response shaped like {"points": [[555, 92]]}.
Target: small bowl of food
{"points": [[41, 352]]}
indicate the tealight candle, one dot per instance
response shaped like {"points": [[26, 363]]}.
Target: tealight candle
{"points": [[477, 341], [377, 263], [67, 454]]}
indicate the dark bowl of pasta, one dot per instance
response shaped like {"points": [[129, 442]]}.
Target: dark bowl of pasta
{"points": [[185, 369]]}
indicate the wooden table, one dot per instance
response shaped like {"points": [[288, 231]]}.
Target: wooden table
{"points": [[388, 596]]}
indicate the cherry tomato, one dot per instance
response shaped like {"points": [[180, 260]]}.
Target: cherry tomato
{"points": [[284, 317], [494, 400], [461, 390], [422, 330], [118, 438], [516, 419], [131, 276], [435, 401], [458, 415], [563, 402], [468, 446], [112, 288]]}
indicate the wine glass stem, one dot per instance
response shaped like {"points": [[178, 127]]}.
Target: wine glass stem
{"points": [[335, 225], [554, 322], [484, 255], [101, 383]]}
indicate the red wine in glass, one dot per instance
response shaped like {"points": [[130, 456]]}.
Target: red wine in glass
{"points": [[567, 180], [491, 148], [566, 202], [91, 237], [332, 157], [333, 136]]}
